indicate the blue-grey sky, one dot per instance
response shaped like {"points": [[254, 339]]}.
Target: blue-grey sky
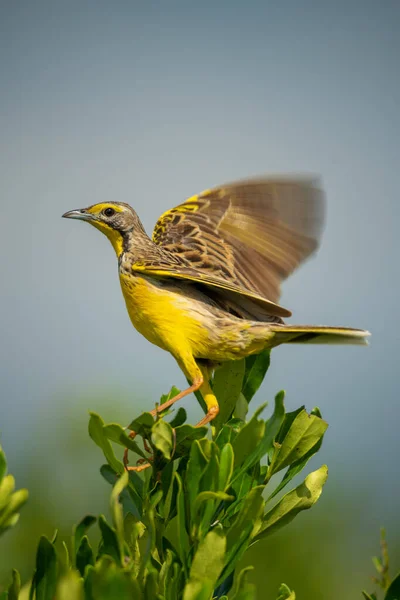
{"points": [[150, 102]]}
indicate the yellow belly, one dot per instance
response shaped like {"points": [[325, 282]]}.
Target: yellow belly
{"points": [[163, 316], [179, 320]]}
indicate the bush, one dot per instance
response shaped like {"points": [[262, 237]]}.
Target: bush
{"points": [[179, 529]]}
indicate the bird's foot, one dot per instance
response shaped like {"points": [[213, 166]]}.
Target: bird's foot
{"points": [[138, 468], [142, 463]]}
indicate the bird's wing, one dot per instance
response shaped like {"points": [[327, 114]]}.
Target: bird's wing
{"points": [[256, 305], [245, 237]]}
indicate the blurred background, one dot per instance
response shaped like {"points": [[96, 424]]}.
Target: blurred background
{"points": [[149, 103]]}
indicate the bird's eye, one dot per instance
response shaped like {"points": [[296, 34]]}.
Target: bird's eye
{"points": [[108, 212]]}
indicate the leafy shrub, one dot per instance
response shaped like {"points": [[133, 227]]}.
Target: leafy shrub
{"points": [[179, 529]]}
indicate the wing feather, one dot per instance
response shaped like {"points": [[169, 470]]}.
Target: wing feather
{"points": [[248, 235]]}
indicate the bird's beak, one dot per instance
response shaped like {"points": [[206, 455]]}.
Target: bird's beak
{"points": [[79, 213]]}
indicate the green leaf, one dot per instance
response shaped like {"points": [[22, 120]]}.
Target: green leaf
{"points": [[82, 527], [162, 438], [202, 519], [142, 425], [285, 593], [304, 433], [206, 497], [197, 590], [228, 432], [46, 570], [241, 408], [155, 498], [15, 586], [226, 462], [227, 386], [221, 590], [116, 510], [244, 527], [246, 444], [167, 483], [110, 544], [175, 582], [367, 596], [207, 447], [296, 467], [147, 479], [181, 523], [393, 592], [209, 479], [194, 471], [70, 587], [241, 487], [166, 571], [31, 587], [131, 497], [179, 418], [11, 503], [287, 422], [377, 563], [316, 411], [84, 555], [117, 434], [134, 531], [3, 464], [107, 581], [301, 498], [6, 489], [151, 586], [55, 536], [250, 512], [208, 561], [174, 391], [256, 368], [80, 530], [66, 560], [96, 432], [9, 522], [243, 589], [185, 436], [273, 425], [266, 443]]}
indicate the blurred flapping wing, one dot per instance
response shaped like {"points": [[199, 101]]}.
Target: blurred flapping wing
{"points": [[245, 237]]}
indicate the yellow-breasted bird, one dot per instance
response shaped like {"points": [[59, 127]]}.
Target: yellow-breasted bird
{"points": [[205, 287]]}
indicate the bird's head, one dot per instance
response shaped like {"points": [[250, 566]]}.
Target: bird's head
{"points": [[116, 220]]}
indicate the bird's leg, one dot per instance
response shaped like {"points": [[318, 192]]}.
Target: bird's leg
{"points": [[200, 375], [211, 414], [208, 397], [197, 383]]}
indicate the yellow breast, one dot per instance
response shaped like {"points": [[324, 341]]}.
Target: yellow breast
{"points": [[163, 315]]}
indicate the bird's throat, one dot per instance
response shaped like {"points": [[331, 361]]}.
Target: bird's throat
{"points": [[115, 237]]}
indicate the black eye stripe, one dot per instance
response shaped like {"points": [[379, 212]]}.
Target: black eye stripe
{"points": [[108, 212]]}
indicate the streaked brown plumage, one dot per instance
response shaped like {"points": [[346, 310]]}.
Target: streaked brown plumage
{"points": [[247, 236]]}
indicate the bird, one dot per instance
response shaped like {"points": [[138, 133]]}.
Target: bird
{"points": [[205, 287]]}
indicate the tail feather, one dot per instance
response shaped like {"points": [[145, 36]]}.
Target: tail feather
{"points": [[310, 334]]}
